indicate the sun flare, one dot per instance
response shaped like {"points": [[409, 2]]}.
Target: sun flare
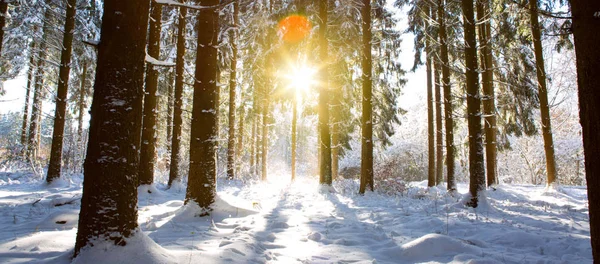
{"points": [[301, 77]]}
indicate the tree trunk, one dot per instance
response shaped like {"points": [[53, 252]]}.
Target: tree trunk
{"points": [[61, 97], [148, 146], [109, 201], [171, 88], [543, 93], [430, 122], [3, 14], [253, 140], [265, 134], [448, 109], [202, 181], [439, 145], [487, 76], [240, 138], [81, 108], [366, 159], [335, 135], [294, 134], [30, 80], [178, 100], [586, 21], [325, 168], [38, 94], [476, 166], [232, 93]]}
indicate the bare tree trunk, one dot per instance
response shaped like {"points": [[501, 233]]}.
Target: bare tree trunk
{"points": [[543, 93], [335, 135], [148, 146], [232, 94], [325, 143], [476, 166], [171, 88], [240, 138], [178, 100], [38, 94], [448, 109], [265, 134], [109, 201], [585, 30], [439, 143], [61, 97], [430, 122], [366, 160], [487, 76], [202, 179], [30, 80], [81, 108]]}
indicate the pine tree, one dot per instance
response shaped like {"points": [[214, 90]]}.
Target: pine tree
{"points": [[585, 31], [30, 81], [543, 93], [3, 14], [476, 167], [148, 143], [366, 170], [430, 121], [232, 93], [448, 108], [109, 201], [178, 98], [201, 187], [325, 143], [54, 167]]}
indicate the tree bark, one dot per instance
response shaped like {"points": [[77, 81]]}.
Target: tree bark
{"points": [[430, 121], [586, 21], [325, 168], [232, 94], [30, 80], [476, 166], [61, 97], [170, 90], [335, 135], [38, 94], [448, 109], [366, 160], [109, 201], [178, 100], [202, 177], [148, 146], [239, 149], [487, 76], [3, 10], [265, 134], [81, 146], [543, 93], [439, 145]]}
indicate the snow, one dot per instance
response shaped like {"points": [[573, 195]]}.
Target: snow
{"points": [[303, 222]]}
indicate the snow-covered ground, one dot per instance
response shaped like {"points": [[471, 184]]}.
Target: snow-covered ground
{"points": [[299, 222]]}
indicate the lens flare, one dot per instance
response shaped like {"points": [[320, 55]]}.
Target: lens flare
{"points": [[294, 28]]}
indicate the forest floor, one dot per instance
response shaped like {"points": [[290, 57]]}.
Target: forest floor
{"points": [[301, 222]]}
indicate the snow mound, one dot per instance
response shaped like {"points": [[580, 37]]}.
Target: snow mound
{"points": [[139, 249], [149, 189], [60, 220], [225, 206], [436, 245]]}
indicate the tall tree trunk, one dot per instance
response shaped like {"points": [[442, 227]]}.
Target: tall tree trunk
{"points": [[430, 121], [171, 88], [38, 94], [448, 109], [294, 134], [476, 166], [61, 97], [232, 93], [253, 143], [265, 133], [240, 138], [366, 159], [439, 143], [3, 14], [543, 93], [586, 21], [487, 76], [148, 146], [178, 100], [335, 135], [81, 110], [202, 181], [30, 80], [109, 201], [325, 168]]}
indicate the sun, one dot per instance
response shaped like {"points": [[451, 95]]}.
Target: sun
{"points": [[301, 77]]}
